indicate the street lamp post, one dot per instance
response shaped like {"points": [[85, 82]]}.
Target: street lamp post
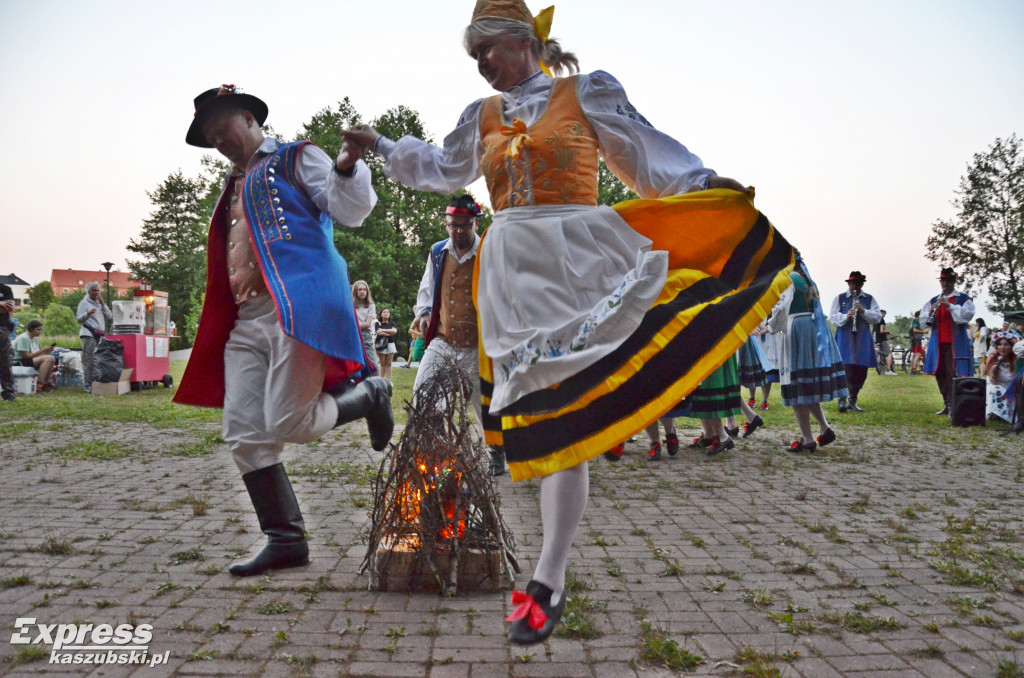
{"points": [[107, 265]]}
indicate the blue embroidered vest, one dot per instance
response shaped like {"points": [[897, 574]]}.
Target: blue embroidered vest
{"points": [[302, 268], [857, 348]]}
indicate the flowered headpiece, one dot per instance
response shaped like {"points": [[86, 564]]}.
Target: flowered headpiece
{"points": [[1012, 336]]}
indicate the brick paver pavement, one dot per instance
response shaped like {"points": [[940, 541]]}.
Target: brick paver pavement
{"points": [[897, 559]]}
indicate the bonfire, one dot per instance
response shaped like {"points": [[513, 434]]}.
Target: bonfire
{"points": [[435, 521]]}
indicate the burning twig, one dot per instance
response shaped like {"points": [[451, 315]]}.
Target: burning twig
{"points": [[434, 502]]}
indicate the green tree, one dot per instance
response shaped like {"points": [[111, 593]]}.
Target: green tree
{"points": [[59, 319], [610, 189], [985, 240], [26, 315], [41, 295], [899, 329], [172, 244], [71, 299], [390, 249]]}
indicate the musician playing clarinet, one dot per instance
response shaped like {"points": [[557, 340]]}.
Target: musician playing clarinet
{"points": [[949, 347], [853, 312]]}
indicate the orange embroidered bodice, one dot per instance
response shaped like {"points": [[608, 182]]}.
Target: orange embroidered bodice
{"points": [[552, 162]]}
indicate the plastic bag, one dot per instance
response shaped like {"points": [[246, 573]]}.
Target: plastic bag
{"points": [[109, 360]]}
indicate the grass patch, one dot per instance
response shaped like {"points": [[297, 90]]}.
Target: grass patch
{"points": [[27, 655], [102, 450], [657, 649], [14, 581], [858, 622], [275, 607], [577, 621]]}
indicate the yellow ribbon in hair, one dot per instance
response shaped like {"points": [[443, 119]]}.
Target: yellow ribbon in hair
{"points": [[520, 139], [542, 22]]}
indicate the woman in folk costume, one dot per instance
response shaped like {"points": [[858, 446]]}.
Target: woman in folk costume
{"points": [[594, 321], [999, 364], [810, 366]]}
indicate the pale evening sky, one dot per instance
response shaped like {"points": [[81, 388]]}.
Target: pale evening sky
{"points": [[854, 121]]}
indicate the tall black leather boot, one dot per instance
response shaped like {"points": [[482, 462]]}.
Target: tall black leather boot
{"points": [[370, 398], [280, 519]]}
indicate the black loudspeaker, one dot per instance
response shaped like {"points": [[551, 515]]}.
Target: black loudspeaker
{"points": [[968, 403]]}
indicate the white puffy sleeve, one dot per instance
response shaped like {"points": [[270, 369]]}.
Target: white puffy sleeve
{"points": [[962, 313], [426, 167], [648, 161], [780, 314], [873, 314], [835, 316]]}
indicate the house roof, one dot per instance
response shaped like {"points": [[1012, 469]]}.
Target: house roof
{"points": [[61, 278], [11, 280]]}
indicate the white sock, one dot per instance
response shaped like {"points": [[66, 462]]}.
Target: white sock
{"points": [[563, 498]]}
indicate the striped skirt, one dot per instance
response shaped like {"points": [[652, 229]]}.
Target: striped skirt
{"points": [[816, 371], [752, 373], [727, 267], [718, 396]]}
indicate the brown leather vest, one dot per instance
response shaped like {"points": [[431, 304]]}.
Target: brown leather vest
{"points": [[456, 322]]}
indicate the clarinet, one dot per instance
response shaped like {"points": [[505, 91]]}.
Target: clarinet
{"points": [[854, 297], [930, 322]]}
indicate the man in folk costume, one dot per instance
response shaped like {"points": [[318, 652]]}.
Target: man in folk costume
{"points": [[445, 312], [949, 346], [278, 347], [853, 313]]}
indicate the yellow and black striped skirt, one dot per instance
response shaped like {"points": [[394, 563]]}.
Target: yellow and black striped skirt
{"points": [[728, 266]]}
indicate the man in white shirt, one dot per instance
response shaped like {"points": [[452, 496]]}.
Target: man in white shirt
{"points": [[444, 306]]}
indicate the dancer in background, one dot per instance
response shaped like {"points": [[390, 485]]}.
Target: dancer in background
{"points": [[811, 367]]}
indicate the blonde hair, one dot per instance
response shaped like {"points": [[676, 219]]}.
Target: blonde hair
{"points": [[548, 52], [369, 295]]}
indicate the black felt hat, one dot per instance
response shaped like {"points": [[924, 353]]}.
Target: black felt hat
{"points": [[217, 99], [948, 274], [856, 276]]}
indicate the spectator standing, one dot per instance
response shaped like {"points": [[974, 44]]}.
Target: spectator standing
{"points": [[949, 347], [92, 315], [981, 346], [6, 327], [853, 312], [416, 343], [884, 347], [366, 315], [916, 341], [384, 343], [32, 355]]}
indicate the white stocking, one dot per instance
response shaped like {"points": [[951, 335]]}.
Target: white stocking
{"points": [[563, 498]]}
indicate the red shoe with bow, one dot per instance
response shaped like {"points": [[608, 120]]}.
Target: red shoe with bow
{"points": [[534, 618]]}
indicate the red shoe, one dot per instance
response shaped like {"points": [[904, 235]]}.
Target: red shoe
{"points": [[764, 406], [750, 403], [615, 453], [717, 447], [701, 441], [671, 444], [654, 454], [798, 446], [827, 438]]}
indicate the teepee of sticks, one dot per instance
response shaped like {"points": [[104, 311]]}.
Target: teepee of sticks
{"points": [[435, 523]]}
